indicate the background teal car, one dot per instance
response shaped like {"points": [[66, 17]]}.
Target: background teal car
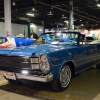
{"points": [[54, 61]]}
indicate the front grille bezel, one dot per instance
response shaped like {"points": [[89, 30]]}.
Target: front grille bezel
{"points": [[17, 64], [15, 61]]}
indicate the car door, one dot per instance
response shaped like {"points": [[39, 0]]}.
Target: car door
{"points": [[88, 56]]}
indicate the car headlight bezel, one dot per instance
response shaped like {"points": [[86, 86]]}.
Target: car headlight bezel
{"points": [[44, 65], [40, 63]]}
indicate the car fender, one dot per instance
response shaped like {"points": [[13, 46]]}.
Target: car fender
{"points": [[56, 74]]}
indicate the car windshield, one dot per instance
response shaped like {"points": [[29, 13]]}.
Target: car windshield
{"points": [[58, 38], [2, 40]]}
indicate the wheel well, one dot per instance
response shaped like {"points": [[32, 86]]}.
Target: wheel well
{"points": [[72, 66]]}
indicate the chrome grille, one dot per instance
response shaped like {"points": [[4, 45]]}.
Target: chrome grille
{"points": [[15, 62], [13, 58]]}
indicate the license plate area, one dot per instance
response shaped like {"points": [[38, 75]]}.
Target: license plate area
{"points": [[9, 75]]}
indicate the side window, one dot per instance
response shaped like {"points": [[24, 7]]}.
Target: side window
{"points": [[43, 41], [82, 40]]}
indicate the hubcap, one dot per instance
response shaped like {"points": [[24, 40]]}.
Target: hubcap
{"points": [[65, 76]]}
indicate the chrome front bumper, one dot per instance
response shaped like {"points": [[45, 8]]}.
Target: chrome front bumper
{"points": [[46, 78]]}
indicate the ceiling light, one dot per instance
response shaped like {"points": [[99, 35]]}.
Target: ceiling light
{"points": [[33, 9], [32, 25], [22, 18], [29, 14], [14, 4], [80, 20], [50, 13], [98, 5], [63, 16], [66, 21], [82, 25]]}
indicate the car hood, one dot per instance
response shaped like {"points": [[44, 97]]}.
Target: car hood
{"points": [[33, 50]]}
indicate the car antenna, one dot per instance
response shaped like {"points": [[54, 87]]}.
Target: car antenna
{"points": [[24, 32], [24, 37]]}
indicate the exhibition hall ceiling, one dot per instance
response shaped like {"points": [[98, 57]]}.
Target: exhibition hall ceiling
{"points": [[54, 13]]}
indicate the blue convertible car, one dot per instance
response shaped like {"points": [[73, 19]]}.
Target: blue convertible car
{"points": [[53, 58]]}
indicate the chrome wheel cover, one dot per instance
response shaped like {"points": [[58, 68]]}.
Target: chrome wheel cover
{"points": [[65, 76]]}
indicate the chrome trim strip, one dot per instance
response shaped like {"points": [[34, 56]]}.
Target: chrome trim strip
{"points": [[87, 58], [46, 78]]}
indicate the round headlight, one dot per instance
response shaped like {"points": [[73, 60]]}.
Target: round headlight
{"points": [[44, 66], [43, 58]]}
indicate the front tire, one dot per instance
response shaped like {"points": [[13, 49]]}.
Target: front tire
{"points": [[63, 80]]}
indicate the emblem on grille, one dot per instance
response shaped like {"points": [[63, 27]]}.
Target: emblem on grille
{"points": [[25, 60]]}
